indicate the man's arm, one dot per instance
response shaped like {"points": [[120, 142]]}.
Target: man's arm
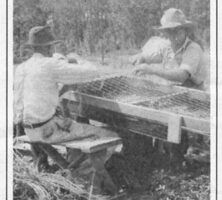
{"points": [[188, 67], [177, 75], [70, 73]]}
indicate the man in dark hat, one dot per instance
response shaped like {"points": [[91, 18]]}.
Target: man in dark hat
{"points": [[191, 71], [36, 90], [36, 93], [37, 86]]}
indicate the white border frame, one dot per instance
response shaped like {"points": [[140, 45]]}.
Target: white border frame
{"points": [[3, 119]]}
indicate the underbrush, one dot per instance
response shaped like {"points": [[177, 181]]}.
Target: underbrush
{"points": [[159, 182], [28, 184], [170, 186]]}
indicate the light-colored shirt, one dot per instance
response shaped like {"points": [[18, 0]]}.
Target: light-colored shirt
{"points": [[190, 57], [36, 86], [158, 50]]}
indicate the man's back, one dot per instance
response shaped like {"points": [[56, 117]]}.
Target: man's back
{"points": [[35, 89]]}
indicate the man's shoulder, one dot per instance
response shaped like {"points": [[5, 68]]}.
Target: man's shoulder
{"points": [[157, 42], [49, 62], [194, 46]]}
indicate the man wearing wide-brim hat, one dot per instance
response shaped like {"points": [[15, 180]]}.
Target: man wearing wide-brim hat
{"points": [[36, 92], [36, 84], [190, 70], [189, 58]]}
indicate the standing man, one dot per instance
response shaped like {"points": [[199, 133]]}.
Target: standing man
{"points": [[189, 57], [188, 52]]}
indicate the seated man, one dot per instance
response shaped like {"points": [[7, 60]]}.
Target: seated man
{"points": [[37, 91], [36, 94]]}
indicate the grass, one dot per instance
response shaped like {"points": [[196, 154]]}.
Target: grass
{"points": [[30, 184], [181, 186]]}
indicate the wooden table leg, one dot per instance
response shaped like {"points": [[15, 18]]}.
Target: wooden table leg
{"points": [[102, 179], [77, 162], [56, 157], [39, 156]]}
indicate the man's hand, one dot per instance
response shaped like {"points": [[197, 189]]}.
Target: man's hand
{"points": [[136, 59], [73, 58], [143, 69]]}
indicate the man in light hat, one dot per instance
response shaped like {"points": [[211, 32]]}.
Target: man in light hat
{"points": [[191, 64], [189, 55]]}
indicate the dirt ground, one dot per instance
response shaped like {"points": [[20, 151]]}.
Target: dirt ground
{"points": [[141, 172], [158, 176]]}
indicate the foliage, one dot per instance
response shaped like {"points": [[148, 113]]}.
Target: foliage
{"points": [[166, 186], [30, 184], [27, 13], [88, 26]]}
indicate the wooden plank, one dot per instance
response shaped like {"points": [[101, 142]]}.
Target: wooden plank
{"points": [[127, 109], [90, 146], [23, 143], [174, 129], [195, 131], [120, 122], [87, 145], [162, 117], [190, 123]]}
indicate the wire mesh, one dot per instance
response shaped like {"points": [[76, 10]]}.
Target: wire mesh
{"points": [[182, 104], [147, 94], [122, 89]]}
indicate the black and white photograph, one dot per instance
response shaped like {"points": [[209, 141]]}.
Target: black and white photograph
{"points": [[112, 100]]}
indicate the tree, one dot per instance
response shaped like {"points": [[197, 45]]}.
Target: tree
{"points": [[88, 26]]}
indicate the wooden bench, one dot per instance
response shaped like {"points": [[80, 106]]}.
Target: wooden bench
{"points": [[93, 149]]}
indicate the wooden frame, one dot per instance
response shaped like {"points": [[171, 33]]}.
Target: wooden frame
{"points": [[134, 112]]}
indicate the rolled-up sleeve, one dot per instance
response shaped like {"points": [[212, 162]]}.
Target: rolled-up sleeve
{"points": [[191, 59], [67, 73]]}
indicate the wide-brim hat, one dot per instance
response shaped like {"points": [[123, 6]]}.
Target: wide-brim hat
{"points": [[41, 36], [174, 18]]}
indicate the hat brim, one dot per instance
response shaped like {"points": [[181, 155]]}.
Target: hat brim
{"points": [[45, 44], [175, 25]]}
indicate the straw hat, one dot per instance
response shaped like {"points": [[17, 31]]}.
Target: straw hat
{"points": [[173, 18], [41, 36]]}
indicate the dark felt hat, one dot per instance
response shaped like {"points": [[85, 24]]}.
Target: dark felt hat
{"points": [[41, 36]]}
